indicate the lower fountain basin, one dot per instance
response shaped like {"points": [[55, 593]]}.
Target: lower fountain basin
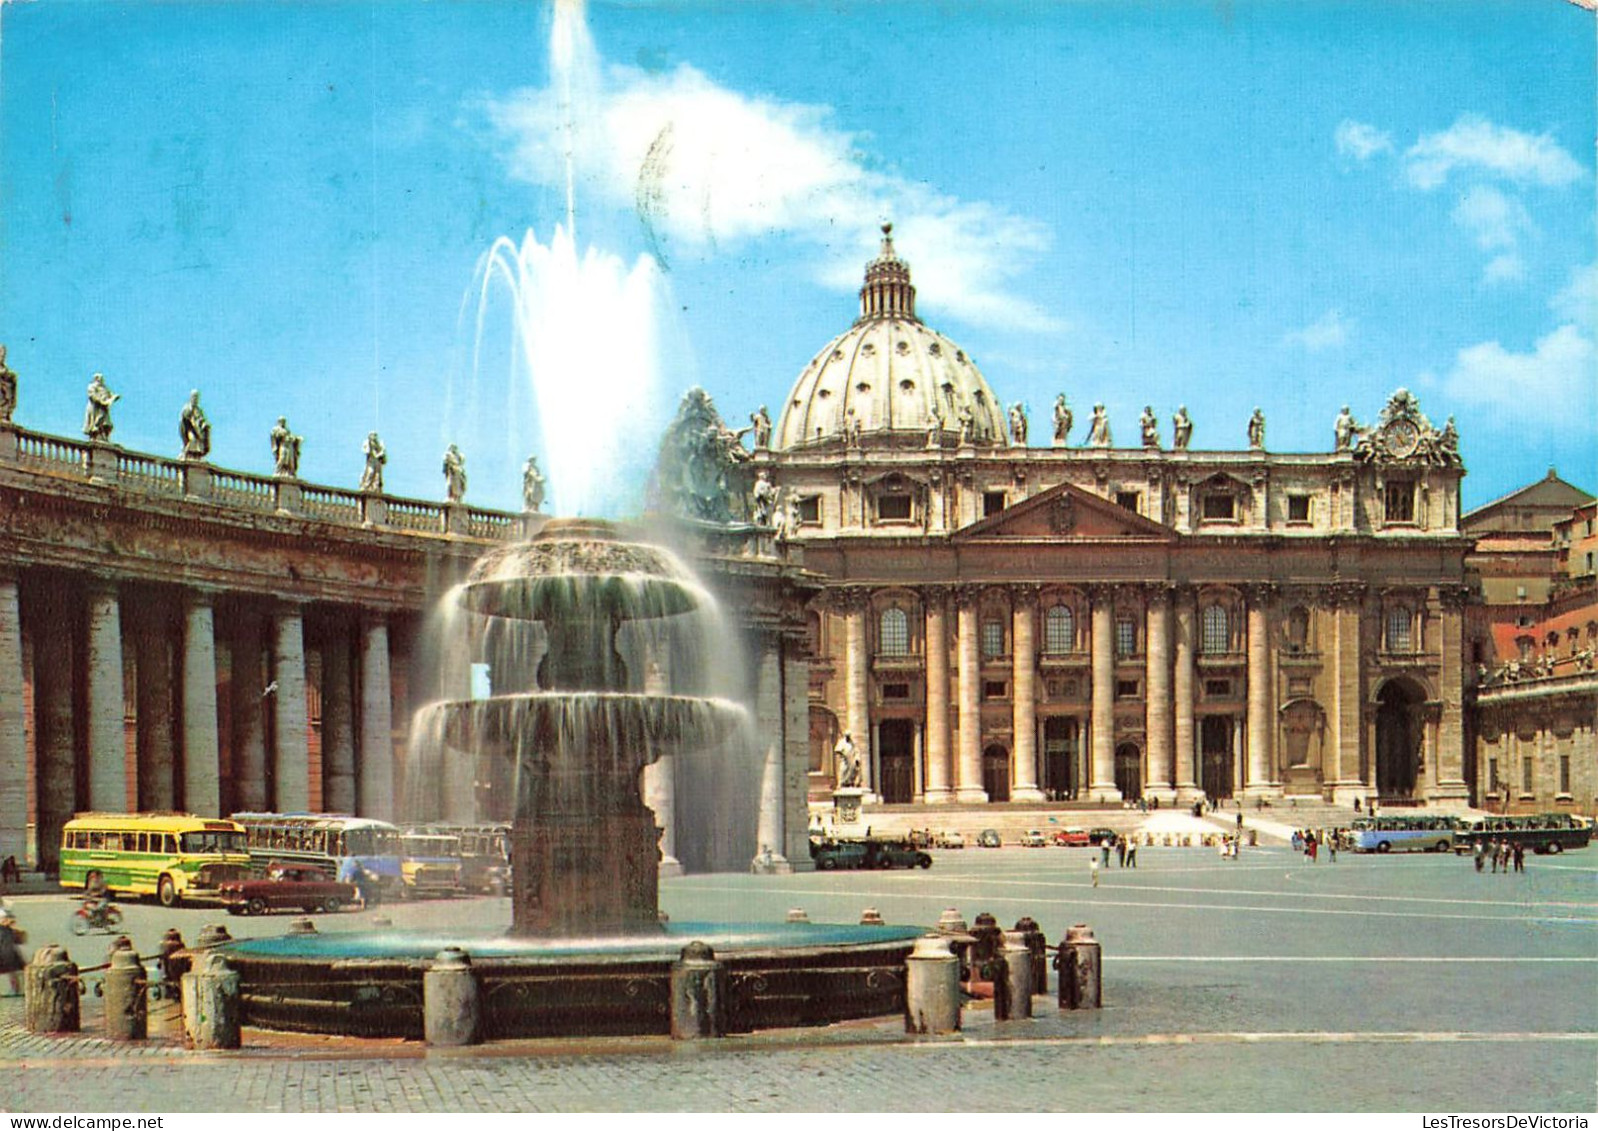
{"points": [[369, 984]]}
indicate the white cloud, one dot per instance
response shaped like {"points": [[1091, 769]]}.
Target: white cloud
{"points": [[1577, 301], [1475, 144], [1551, 382], [1495, 221], [1330, 329], [1360, 140], [1505, 268], [705, 167]]}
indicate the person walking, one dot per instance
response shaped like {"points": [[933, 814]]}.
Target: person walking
{"points": [[1331, 846], [1311, 846], [1093, 869], [12, 937], [1120, 851], [1131, 855], [1520, 856], [1481, 854], [1104, 850]]}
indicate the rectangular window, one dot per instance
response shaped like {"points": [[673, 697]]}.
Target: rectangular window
{"points": [[1218, 688], [992, 502], [1398, 635], [1400, 500], [1126, 637], [810, 509], [893, 508], [1564, 773], [896, 691], [1126, 689], [1128, 500], [1525, 775], [994, 688], [992, 639], [1298, 508], [1220, 507]]}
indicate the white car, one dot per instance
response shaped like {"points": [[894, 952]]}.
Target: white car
{"points": [[1033, 838], [950, 840]]}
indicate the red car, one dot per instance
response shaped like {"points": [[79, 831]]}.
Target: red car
{"points": [[1072, 838], [286, 886]]}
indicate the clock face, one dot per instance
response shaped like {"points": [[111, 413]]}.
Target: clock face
{"points": [[1403, 438]]}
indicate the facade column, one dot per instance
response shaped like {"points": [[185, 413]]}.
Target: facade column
{"points": [[1102, 643], [857, 673], [1024, 710], [1344, 651], [1187, 787], [13, 727], [202, 776], [376, 771], [338, 722], [770, 835], [968, 779], [796, 742], [248, 716], [939, 770], [291, 753], [1157, 700], [53, 634], [157, 761], [1261, 716], [1449, 760], [108, 774]]}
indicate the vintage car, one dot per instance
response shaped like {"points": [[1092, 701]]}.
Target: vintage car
{"points": [[1102, 835], [833, 855], [894, 854], [286, 886], [948, 840], [1033, 838], [989, 838], [1072, 838]]}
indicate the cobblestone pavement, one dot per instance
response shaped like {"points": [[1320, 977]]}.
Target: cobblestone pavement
{"points": [[1268, 984]]}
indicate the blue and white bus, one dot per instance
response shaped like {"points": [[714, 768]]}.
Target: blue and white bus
{"points": [[1403, 832], [326, 840]]}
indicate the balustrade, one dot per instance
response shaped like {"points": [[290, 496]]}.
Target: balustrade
{"points": [[414, 514], [331, 504], [54, 453], [495, 525], [153, 474], [249, 492]]}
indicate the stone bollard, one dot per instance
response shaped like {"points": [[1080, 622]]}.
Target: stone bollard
{"points": [[1039, 946], [171, 946], [451, 1014], [127, 1015], [302, 927], [953, 925], [984, 955], [1012, 979], [212, 934], [932, 987], [1081, 986], [798, 915], [871, 917], [211, 1003], [698, 1003], [52, 989]]}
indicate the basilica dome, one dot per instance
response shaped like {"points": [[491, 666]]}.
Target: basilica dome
{"points": [[889, 376]]}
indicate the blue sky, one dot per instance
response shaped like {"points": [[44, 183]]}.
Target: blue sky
{"points": [[1294, 205]]}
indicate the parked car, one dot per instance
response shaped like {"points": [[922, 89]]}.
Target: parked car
{"points": [[1033, 838], [989, 838], [894, 854], [835, 855], [286, 885], [1072, 838], [949, 840], [1102, 835]]}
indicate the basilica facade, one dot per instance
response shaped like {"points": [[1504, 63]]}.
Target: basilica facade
{"points": [[1007, 616]]}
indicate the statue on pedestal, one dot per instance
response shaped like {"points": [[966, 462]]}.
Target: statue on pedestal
{"points": [[1062, 421], [8, 388], [376, 457], [848, 763], [97, 415], [1344, 430], [761, 422], [532, 485], [764, 495], [286, 449], [1150, 426], [1256, 430], [1099, 431], [194, 429], [1018, 424], [454, 475], [1181, 429]]}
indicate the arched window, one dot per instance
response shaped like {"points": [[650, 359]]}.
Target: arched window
{"points": [[1125, 635], [893, 633], [1398, 630], [1217, 636], [1059, 630], [992, 639]]}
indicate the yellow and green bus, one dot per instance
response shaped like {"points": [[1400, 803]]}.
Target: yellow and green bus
{"points": [[171, 856]]}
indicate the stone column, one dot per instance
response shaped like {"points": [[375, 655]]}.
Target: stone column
{"points": [[968, 778], [249, 716], [376, 770], [1261, 715], [157, 785], [108, 774], [796, 744], [770, 835], [202, 778], [1449, 762], [338, 722], [13, 727], [1187, 786], [856, 674], [1024, 710], [939, 769], [1344, 654], [291, 754], [1157, 700], [1102, 643], [53, 636]]}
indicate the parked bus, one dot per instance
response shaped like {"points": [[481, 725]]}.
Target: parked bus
{"points": [[326, 840], [1403, 832], [1541, 832], [172, 856], [484, 853], [430, 864]]}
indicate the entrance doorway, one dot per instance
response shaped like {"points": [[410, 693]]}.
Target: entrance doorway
{"points": [[1129, 771], [996, 773], [896, 758], [1398, 738], [1215, 754], [1061, 746]]}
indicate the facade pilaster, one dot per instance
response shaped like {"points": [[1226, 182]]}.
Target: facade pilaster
{"points": [[375, 773], [55, 644], [1102, 644], [1024, 711], [338, 723], [291, 755], [248, 716], [1261, 715], [1157, 700], [1450, 755], [1186, 730], [857, 682], [968, 779], [796, 748], [1346, 600], [13, 726], [108, 774], [202, 774], [156, 784], [940, 771], [771, 824]]}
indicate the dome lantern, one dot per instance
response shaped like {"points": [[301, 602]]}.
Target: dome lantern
{"points": [[887, 291]]}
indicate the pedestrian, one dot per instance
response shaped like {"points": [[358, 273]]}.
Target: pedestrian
{"points": [[1104, 849], [1520, 856], [1120, 851], [12, 937], [1310, 846], [1298, 841], [1131, 855], [9, 872], [1331, 847], [1481, 854], [1093, 869]]}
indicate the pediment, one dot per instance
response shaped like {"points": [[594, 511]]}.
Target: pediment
{"points": [[1065, 513]]}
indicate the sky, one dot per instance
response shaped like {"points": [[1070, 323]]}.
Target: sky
{"points": [[288, 205]]}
